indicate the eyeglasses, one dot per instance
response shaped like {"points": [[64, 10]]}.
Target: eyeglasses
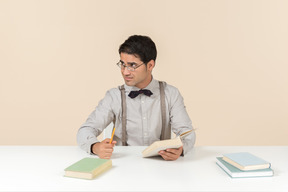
{"points": [[130, 66]]}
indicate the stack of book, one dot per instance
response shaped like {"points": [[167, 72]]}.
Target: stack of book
{"points": [[244, 164]]}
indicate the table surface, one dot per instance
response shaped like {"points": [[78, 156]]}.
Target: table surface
{"points": [[41, 168]]}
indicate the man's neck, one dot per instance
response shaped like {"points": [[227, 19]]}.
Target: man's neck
{"points": [[145, 83]]}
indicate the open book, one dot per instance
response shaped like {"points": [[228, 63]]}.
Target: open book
{"points": [[157, 146]]}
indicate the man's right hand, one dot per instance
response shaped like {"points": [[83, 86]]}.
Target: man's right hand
{"points": [[103, 149]]}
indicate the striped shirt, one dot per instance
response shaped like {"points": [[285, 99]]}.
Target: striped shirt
{"points": [[144, 122]]}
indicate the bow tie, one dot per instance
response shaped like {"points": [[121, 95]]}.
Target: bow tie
{"points": [[134, 94]]}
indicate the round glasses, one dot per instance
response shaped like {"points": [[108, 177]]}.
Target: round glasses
{"points": [[129, 66]]}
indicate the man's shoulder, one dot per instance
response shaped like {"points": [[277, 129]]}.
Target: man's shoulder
{"points": [[114, 90], [170, 88]]}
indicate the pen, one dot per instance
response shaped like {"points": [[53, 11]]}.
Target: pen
{"points": [[112, 135]]}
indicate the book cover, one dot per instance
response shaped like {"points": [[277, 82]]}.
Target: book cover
{"points": [[246, 161], [157, 146], [237, 173], [88, 168]]}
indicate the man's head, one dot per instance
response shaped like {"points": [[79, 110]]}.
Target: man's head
{"points": [[137, 60], [140, 46]]}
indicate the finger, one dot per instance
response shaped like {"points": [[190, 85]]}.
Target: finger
{"points": [[105, 157], [175, 151], [168, 156], [106, 154], [113, 143], [107, 144], [107, 140], [108, 150]]}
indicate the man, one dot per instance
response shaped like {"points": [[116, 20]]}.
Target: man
{"points": [[143, 110]]}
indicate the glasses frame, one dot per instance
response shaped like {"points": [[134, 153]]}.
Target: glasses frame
{"points": [[122, 66]]}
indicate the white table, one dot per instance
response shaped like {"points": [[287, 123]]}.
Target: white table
{"points": [[41, 168]]}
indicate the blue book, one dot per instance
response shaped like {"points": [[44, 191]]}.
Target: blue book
{"points": [[246, 161], [237, 173]]}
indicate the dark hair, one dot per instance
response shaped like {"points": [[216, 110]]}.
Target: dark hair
{"points": [[140, 46]]}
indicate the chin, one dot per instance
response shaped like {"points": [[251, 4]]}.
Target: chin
{"points": [[129, 83]]}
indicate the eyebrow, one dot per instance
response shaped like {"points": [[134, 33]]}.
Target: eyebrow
{"points": [[130, 63]]}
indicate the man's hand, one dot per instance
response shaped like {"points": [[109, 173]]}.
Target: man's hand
{"points": [[171, 154], [104, 149]]}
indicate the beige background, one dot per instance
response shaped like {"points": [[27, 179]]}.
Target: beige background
{"points": [[228, 59]]}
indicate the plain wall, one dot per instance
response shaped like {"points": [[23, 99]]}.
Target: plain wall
{"points": [[228, 58]]}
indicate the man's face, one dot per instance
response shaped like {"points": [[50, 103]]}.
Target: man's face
{"points": [[141, 77]]}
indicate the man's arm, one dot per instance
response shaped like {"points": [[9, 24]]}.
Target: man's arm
{"points": [[97, 121], [180, 120]]}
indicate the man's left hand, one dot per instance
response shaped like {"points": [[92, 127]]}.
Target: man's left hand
{"points": [[171, 154]]}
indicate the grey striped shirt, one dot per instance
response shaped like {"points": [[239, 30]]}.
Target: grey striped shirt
{"points": [[144, 121]]}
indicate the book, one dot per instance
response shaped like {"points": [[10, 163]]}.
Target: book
{"points": [[157, 146], [246, 161], [88, 168], [234, 172]]}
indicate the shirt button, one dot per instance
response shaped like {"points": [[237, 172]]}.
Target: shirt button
{"points": [[142, 102], [144, 118]]}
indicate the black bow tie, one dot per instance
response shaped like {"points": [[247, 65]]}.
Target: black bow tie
{"points": [[134, 94]]}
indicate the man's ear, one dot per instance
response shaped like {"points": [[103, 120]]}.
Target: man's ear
{"points": [[150, 65]]}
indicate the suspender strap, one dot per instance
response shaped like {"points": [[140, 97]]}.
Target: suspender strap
{"points": [[124, 115], [165, 131]]}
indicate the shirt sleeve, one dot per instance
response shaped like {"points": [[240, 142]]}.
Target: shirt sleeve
{"points": [[97, 121], [180, 120]]}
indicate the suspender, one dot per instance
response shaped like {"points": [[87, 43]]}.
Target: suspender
{"points": [[124, 115], [165, 131]]}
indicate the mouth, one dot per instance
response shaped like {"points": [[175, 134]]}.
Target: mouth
{"points": [[128, 78]]}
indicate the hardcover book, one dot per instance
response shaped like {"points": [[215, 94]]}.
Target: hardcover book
{"points": [[246, 161], [88, 168], [237, 173]]}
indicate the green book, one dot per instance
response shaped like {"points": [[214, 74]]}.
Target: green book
{"points": [[234, 172], [88, 168]]}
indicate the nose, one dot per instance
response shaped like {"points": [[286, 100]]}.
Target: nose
{"points": [[125, 71]]}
